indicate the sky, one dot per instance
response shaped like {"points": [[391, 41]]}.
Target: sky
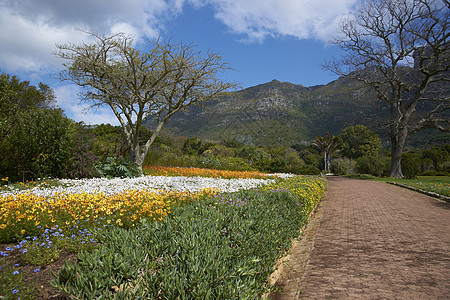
{"points": [[262, 40]]}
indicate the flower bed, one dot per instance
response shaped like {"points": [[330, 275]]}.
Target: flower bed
{"points": [[235, 234], [177, 171], [100, 201], [222, 247]]}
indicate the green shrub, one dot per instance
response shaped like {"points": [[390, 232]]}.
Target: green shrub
{"points": [[410, 165], [37, 145], [343, 166], [372, 165], [308, 170], [118, 166], [82, 160]]}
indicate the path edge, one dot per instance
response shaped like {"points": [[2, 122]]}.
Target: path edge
{"points": [[303, 243]]}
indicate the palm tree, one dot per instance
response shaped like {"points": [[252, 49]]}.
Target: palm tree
{"points": [[329, 144]]}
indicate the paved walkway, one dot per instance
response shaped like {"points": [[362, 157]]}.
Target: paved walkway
{"points": [[371, 240]]}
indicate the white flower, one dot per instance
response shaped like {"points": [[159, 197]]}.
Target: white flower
{"points": [[118, 185]]}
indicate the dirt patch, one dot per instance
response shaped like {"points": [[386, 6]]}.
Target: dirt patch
{"points": [[38, 278]]}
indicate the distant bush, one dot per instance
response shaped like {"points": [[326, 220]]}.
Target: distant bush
{"points": [[372, 165], [410, 165], [82, 160], [172, 159], [360, 141], [435, 173], [219, 151], [343, 166], [308, 170]]}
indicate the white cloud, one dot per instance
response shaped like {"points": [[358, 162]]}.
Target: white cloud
{"points": [[30, 29], [67, 98], [304, 19]]}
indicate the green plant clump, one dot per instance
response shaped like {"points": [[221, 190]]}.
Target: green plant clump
{"points": [[118, 166], [223, 247]]}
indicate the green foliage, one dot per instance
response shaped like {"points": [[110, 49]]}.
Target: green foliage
{"points": [[308, 170], [220, 248], [106, 137], [13, 284], [117, 166], [194, 146], [172, 159], [242, 158], [17, 96], [372, 165], [360, 141], [439, 156], [38, 144], [82, 160], [33, 136], [219, 151], [410, 165], [343, 166], [257, 157], [329, 145], [233, 144]]}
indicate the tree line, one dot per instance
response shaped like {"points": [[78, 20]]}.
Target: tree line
{"points": [[37, 140], [397, 48]]}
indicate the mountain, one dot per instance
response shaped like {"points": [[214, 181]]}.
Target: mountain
{"points": [[281, 113]]}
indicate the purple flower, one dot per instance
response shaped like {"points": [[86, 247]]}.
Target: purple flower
{"points": [[15, 272], [15, 291], [36, 270]]}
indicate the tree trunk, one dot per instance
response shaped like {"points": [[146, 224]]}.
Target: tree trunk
{"points": [[397, 144], [135, 156], [138, 152], [328, 163]]}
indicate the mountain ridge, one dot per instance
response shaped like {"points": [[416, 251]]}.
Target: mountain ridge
{"points": [[281, 113]]}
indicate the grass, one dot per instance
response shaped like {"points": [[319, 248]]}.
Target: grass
{"points": [[436, 184]]}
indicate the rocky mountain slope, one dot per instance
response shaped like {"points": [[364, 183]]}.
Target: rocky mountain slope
{"points": [[282, 113]]}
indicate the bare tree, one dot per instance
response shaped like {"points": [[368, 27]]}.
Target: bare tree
{"points": [[136, 85], [400, 49]]}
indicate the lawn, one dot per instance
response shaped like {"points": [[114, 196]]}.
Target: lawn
{"points": [[435, 184], [200, 235]]}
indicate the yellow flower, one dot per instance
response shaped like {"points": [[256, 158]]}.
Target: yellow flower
{"points": [[23, 231]]}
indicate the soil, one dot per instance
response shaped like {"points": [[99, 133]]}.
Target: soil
{"points": [[39, 281]]}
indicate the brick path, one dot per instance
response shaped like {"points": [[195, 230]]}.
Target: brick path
{"points": [[374, 241]]}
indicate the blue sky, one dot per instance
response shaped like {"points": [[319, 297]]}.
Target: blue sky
{"points": [[263, 40]]}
